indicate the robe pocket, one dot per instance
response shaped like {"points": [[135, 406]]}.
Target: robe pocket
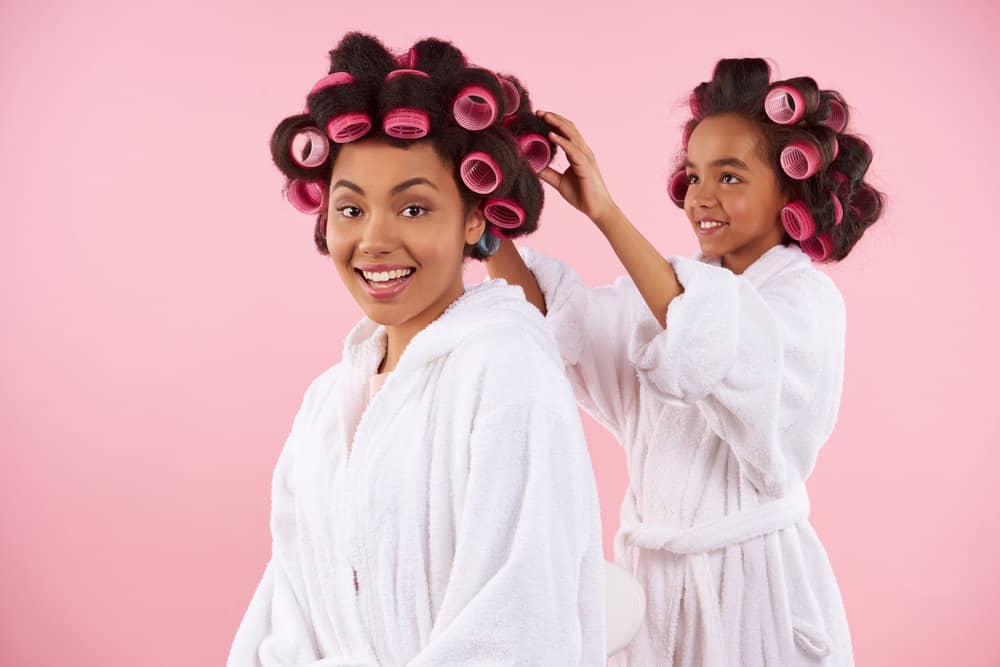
{"points": [[813, 640]]}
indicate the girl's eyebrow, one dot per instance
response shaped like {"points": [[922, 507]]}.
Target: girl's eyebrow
{"points": [[724, 162]]}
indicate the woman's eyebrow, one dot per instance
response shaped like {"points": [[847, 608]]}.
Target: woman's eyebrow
{"points": [[409, 183], [347, 184]]}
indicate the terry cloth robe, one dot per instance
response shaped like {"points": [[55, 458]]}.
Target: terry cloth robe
{"points": [[721, 414], [452, 521]]}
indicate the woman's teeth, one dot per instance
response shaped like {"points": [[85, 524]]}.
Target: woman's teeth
{"points": [[383, 276], [710, 224]]}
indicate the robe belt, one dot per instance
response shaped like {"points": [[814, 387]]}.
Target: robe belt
{"points": [[763, 519]]}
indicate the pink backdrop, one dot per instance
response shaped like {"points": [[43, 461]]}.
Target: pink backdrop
{"points": [[163, 309]]}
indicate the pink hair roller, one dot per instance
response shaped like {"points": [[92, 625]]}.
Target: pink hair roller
{"points": [[309, 148], [536, 151], [504, 213], [474, 108], [334, 79], [818, 248], [499, 233], [695, 105], [512, 98], [797, 220], [481, 173], [837, 120], [348, 127], [836, 149], [399, 72], [800, 159], [677, 187], [406, 123], [408, 60], [307, 196], [784, 105], [838, 209]]}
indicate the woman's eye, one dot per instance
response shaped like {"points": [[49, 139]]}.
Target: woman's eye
{"points": [[349, 211], [730, 178], [414, 211]]}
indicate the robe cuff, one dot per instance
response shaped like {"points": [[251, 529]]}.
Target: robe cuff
{"points": [[565, 302]]}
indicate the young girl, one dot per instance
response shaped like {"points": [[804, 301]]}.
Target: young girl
{"points": [[434, 502], [721, 375]]}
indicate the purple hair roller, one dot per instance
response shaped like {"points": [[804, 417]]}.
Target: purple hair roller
{"points": [[512, 97], [480, 173], [837, 120], [307, 196], [348, 127], [309, 148], [536, 151], [797, 220], [800, 159], [474, 108], [784, 105], [504, 213], [818, 248], [677, 187], [406, 123]]}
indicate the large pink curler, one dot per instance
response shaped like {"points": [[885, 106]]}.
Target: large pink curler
{"points": [[818, 248], [348, 127], [309, 148], [837, 120], [334, 79], [677, 187], [504, 213], [307, 196], [400, 72], [800, 159], [481, 173], [838, 209], [797, 220], [475, 108], [536, 151], [512, 97], [784, 105], [406, 123]]}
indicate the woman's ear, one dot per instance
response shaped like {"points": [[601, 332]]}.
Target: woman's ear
{"points": [[475, 225]]}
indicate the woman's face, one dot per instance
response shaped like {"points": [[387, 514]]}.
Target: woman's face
{"points": [[397, 229], [733, 198]]}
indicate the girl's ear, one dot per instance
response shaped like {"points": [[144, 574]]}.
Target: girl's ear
{"points": [[475, 225]]}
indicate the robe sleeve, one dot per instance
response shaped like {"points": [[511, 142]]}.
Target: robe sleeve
{"points": [[526, 584], [275, 630], [763, 365], [591, 327]]}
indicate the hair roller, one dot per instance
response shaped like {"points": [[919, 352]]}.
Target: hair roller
{"points": [[801, 159], [404, 93], [300, 149], [677, 187], [488, 244], [818, 247], [491, 165], [307, 196], [504, 213], [309, 148], [511, 96], [797, 220], [536, 151], [481, 173], [339, 103], [784, 105], [500, 233], [866, 203], [838, 209], [477, 99], [834, 112]]}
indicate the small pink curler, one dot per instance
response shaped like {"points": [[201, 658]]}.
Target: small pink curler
{"points": [[836, 149], [837, 120], [307, 196], [399, 72], [474, 108], [818, 248], [784, 105], [797, 220], [408, 60], [348, 127], [309, 148], [838, 209], [677, 187], [335, 79], [536, 151], [504, 213], [481, 173], [800, 159], [512, 98], [406, 123]]}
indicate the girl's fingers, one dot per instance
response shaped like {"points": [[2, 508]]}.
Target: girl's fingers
{"points": [[576, 156], [566, 128]]}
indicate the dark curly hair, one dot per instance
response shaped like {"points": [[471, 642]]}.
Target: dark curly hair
{"points": [[478, 121], [829, 196]]}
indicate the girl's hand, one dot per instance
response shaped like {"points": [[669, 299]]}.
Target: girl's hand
{"points": [[581, 184]]}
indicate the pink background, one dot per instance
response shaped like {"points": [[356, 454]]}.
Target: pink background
{"points": [[163, 308]]}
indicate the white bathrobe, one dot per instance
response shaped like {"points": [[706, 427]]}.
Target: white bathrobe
{"points": [[454, 521], [721, 415]]}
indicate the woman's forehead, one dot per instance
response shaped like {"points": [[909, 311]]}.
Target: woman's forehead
{"points": [[379, 166]]}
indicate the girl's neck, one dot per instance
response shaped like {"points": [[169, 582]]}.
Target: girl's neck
{"points": [[740, 261]]}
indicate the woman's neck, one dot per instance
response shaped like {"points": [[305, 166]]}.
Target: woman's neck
{"points": [[398, 336]]}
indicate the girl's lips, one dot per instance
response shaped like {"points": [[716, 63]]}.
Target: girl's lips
{"points": [[385, 290], [710, 231]]}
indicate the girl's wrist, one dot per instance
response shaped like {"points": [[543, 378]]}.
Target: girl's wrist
{"points": [[609, 218]]}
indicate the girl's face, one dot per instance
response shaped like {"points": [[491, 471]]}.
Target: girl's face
{"points": [[734, 198], [397, 229]]}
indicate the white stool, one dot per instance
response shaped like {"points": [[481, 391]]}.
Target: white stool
{"points": [[626, 606]]}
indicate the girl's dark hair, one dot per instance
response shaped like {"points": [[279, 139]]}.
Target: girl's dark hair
{"points": [[448, 73], [740, 86]]}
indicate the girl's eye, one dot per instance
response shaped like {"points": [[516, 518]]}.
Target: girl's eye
{"points": [[730, 178], [413, 211], [349, 211], [692, 179]]}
